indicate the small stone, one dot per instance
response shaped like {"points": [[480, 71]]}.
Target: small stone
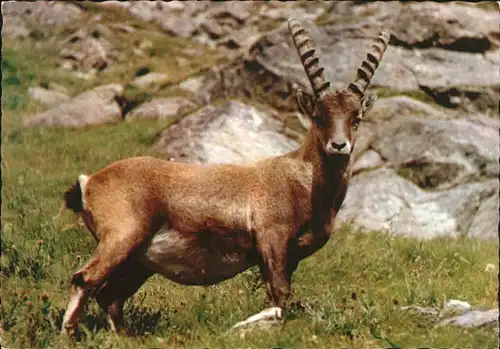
{"points": [[419, 309], [160, 108], [475, 318], [147, 80], [192, 85], [457, 305], [490, 268], [95, 106]]}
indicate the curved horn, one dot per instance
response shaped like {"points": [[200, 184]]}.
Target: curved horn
{"points": [[370, 64], [308, 58]]}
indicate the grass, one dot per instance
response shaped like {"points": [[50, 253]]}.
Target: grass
{"points": [[351, 290], [420, 95]]}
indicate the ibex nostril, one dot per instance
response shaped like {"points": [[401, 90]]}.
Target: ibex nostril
{"points": [[338, 146]]}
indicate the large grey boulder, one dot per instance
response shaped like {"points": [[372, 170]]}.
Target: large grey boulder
{"points": [[47, 97], [401, 69], [93, 107], [422, 171], [440, 153], [229, 133], [455, 26], [160, 108], [381, 199]]}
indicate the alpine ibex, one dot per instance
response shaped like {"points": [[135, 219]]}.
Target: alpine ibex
{"points": [[200, 225]]}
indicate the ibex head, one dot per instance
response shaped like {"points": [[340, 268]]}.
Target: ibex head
{"points": [[335, 114]]}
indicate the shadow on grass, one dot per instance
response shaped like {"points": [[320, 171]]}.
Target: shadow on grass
{"points": [[139, 321]]}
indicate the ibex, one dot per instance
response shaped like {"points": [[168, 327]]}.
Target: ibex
{"points": [[202, 224]]}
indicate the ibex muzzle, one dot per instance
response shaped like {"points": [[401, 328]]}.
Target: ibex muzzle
{"points": [[340, 141]]}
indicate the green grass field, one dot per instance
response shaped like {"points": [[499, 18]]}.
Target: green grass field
{"points": [[351, 290]]}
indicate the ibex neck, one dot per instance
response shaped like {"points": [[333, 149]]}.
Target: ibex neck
{"points": [[330, 176]]}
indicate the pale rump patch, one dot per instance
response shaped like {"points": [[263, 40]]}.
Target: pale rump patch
{"points": [[83, 179], [73, 307], [273, 313]]}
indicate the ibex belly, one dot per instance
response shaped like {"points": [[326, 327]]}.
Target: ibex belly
{"points": [[203, 258]]}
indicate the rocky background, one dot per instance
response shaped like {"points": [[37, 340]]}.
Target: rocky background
{"points": [[427, 158]]}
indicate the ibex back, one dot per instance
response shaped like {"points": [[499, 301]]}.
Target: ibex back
{"points": [[200, 225]]}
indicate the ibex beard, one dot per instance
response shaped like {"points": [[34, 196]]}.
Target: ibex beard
{"points": [[200, 225]]}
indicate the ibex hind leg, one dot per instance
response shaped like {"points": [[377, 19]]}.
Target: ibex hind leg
{"points": [[113, 250], [122, 284]]}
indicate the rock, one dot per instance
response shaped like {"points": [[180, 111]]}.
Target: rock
{"points": [[439, 154], [382, 200], [192, 85], [287, 10], [72, 54], [272, 65], [369, 160], [456, 305], [403, 108], [212, 28], [238, 10], [149, 79], [14, 27], [486, 219], [436, 70], [47, 97], [174, 5], [87, 51], [175, 18], [241, 38], [90, 75], [229, 133], [22, 19], [276, 53], [183, 26], [428, 165], [93, 107], [202, 21], [125, 28], [42, 13], [467, 318], [421, 310], [475, 318], [160, 108], [453, 26]]}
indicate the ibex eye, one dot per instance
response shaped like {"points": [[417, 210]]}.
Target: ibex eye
{"points": [[355, 122]]}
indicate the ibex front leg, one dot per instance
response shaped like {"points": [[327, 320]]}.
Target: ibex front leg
{"points": [[277, 272]]}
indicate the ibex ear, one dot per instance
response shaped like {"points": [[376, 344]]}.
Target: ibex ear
{"points": [[368, 102], [305, 102]]}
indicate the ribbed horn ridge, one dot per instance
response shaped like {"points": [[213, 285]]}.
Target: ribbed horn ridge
{"points": [[308, 58], [370, 64]]}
